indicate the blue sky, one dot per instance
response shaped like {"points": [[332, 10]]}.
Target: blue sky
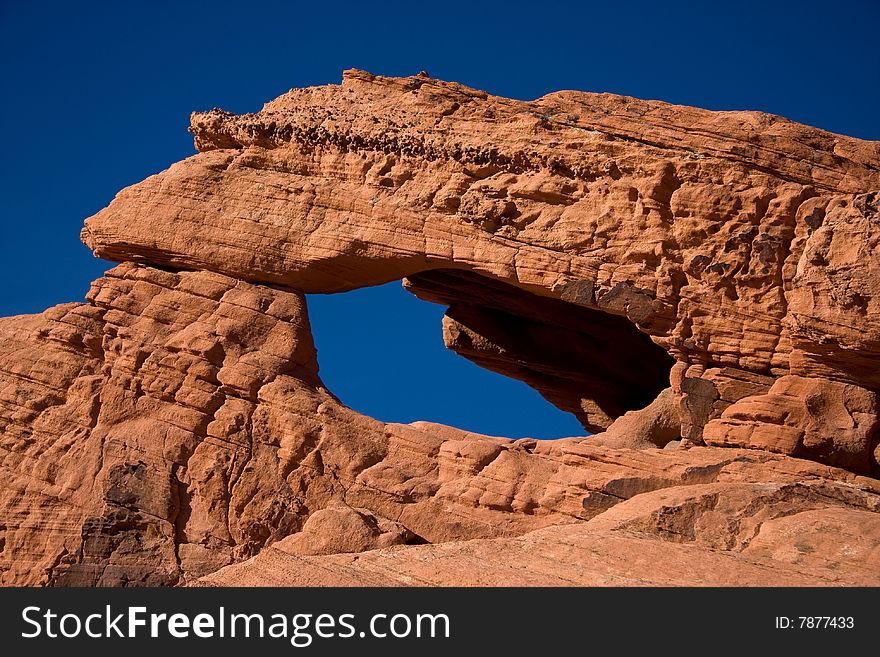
{"points": [[96, 96]]}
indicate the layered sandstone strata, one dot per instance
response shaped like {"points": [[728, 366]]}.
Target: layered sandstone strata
{"points": [[679, 277]]}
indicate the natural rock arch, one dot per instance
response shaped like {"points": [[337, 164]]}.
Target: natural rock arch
{"points": [[176, 422], [749, 254]]}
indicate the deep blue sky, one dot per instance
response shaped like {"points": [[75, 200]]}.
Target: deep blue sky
{"points": [[97, 96]]}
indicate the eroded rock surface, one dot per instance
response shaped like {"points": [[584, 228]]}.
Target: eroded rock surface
{"points": [[741, 243], [679, 277], [729, 533]]}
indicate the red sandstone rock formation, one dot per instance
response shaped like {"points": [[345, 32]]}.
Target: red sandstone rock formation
{"points": [[705, 277]]}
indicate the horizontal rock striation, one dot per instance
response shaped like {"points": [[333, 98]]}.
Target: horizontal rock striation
{"points": [[672, 276]]}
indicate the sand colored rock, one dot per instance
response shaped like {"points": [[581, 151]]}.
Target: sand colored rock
{"points": [[811, 417], [720, 534], [129, 452], [337, 530], [738, 242], [656, 425], [674, 277]]}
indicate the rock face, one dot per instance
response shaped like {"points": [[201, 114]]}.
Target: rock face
{"points": [[722, 534], [679, 277], [743, 245]]}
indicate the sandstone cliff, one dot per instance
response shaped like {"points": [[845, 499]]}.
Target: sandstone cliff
{"points": [[704, 282]]}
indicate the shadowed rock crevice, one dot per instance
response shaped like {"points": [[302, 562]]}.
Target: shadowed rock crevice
{"points": [[593, 364]]}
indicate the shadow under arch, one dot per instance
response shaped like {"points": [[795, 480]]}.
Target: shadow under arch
{"points": [[590, 363]]}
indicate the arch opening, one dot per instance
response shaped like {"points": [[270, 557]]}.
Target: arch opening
{"points": [[378, 352]]}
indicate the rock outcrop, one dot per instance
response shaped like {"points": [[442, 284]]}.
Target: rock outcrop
{"points": [[676, 278], [721, 534]]}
